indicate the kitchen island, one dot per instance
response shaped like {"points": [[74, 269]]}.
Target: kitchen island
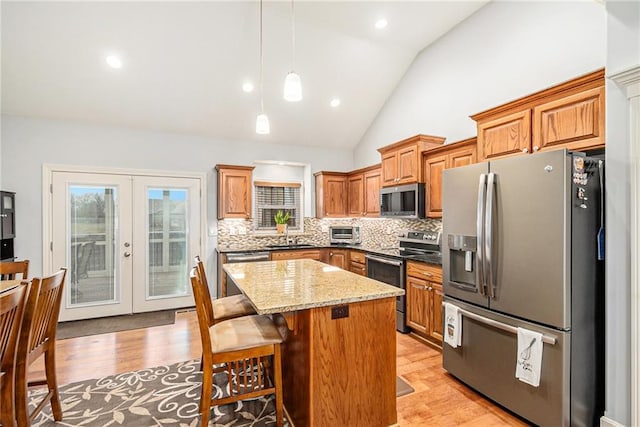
{"points": [[339, 357]]}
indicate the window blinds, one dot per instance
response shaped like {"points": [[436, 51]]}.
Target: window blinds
{"points": [[272, 197]]}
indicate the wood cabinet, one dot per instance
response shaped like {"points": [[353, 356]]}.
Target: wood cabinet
{"points": [[234, 191], [424, 301], [364, 192], [296, 254], [435, 162], [336, 257], [357, 262], [569, 115], [401, 161], [331, 194]]}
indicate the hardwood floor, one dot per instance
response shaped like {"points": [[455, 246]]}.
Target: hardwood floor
{"points": [[438, 400]]}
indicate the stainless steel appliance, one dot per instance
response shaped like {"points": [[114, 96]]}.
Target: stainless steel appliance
{"points": [[520, 250], [344, 235], [235, 257], [388, 265], [403, 201]]}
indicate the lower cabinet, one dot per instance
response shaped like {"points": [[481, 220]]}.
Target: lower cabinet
{"points": [[336, 257], [357, 263], [296, 254], [424, 301]]}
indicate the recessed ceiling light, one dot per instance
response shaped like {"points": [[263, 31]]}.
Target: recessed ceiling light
{"points": [[114, 61], [247, 87], [381, 23], [335, 102]]}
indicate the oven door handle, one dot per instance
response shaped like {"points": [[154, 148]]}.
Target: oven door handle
{"points": [[384, 260]]}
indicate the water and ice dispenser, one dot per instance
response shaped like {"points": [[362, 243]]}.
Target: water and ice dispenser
{"points": [[462, 260]]}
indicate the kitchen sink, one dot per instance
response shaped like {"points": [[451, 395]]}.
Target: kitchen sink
{"points": [[291, 246]]}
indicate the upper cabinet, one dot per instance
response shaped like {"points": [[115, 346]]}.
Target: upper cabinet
{"points": [[569, 115], [234, 191], [348, 194], [401, 162], [331, 194], [435, 161], [364, 192]]}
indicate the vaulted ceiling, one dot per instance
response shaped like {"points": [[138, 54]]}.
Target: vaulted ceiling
{"points": [[184, 63]]}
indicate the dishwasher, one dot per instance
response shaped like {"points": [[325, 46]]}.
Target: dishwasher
{"points": [[235, 257]]}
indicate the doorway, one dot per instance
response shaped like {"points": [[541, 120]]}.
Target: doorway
{"points": [[128, 240]]}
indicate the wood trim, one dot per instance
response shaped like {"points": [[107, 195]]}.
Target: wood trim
{"points": [[332, 173], [425, 142], [276, 184], [451, 146], [365, 169], [569, 87], [221, 166]]}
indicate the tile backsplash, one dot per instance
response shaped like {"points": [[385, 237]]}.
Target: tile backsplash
{"points": [[376, 232]]}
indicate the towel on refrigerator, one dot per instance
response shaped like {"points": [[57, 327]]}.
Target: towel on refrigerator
{"points": [[529, 354], [452, 325]]}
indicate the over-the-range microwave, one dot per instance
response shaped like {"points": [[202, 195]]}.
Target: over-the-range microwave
{"points": [[403, 201]]}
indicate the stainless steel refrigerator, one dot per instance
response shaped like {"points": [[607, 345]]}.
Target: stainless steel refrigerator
{"points": [[520, 249]]}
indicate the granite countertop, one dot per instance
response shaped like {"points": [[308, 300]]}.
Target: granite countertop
{"points": [[290, 285], [387, 251]]}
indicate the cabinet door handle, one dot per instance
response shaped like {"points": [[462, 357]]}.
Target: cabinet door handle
{"points": [[426, 273], [330, 253], [525, 150], [536, 148], [3, 215]]}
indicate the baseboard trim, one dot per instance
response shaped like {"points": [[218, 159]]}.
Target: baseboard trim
{"points": [[608, 422]]}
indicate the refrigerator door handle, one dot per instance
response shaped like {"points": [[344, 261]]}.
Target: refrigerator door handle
{"points": [[499, 325], [488, 237], [482, 192]]}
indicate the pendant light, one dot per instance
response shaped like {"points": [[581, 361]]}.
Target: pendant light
{"points": [[292, 83], [262, 122]]}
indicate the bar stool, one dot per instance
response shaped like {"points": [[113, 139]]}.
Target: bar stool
{"points": [[242, 344], [225, 308]]}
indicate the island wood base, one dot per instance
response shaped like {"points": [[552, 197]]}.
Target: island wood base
{"points": [[341, 372]]}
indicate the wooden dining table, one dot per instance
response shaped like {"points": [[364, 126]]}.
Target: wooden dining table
{"points": [[6, 285]]}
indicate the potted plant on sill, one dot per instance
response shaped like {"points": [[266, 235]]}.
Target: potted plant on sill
{"points": [[281, 220]]}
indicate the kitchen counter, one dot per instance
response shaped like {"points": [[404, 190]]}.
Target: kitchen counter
{"points": [[387, 251], [284, 286], [335, 322]]}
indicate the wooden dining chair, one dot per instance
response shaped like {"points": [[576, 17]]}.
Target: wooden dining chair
{"points": [[38, 337], [224, 308], [12, 305], [9, 270], [243, 344]]}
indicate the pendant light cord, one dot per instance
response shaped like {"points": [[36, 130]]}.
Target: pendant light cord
{"points": [[261, 64], [293, 38]]}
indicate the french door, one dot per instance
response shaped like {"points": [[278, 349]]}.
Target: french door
{"points": [[128, 241]]}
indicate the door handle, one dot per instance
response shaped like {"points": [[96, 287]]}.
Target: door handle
{"points": [[482, 193], [488, 238], [127, 254]]}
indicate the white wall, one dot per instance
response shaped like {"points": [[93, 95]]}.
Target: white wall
{"points": [[27, 144], [504, 51], [623, 52]]}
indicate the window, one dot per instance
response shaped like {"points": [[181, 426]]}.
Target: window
{"points": [[272, 197]]}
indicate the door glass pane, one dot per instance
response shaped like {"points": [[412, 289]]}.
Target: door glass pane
{"points": [[92, 235], [167, 235]]}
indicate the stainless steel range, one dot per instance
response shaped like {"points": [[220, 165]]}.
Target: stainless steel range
{"points": [[388, 265]]}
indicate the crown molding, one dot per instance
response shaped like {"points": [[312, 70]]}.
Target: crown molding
{"points": [[629, 80]]}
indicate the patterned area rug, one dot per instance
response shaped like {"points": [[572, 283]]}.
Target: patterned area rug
{"points": [[160, 396]]}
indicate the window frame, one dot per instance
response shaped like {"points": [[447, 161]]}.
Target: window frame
{"points": [[299, 208]]}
